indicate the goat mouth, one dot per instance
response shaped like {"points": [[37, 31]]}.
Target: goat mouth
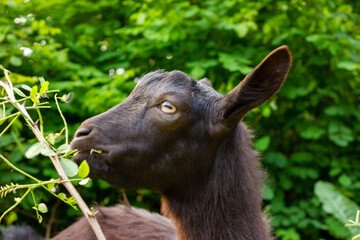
{"points": [[87, 154]]}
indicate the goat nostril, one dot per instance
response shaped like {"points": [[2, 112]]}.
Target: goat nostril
{"points": [[82, 132]]}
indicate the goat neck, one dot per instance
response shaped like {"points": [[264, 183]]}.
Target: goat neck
{"points": [[228, 205]]}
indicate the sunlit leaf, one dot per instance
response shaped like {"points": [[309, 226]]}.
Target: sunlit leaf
{"points": [[62, 196], [84, 169], [42, 208], [84, 181], [262, 143], [33, 94], [50, 186], [44, 87]]}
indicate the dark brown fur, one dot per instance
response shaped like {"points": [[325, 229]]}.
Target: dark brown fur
{"points": [[200, 157]]}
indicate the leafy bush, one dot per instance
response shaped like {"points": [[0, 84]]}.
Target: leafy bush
{"points": [[308, 132]]}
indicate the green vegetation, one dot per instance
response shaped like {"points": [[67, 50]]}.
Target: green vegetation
{"points": [[309, 133]]}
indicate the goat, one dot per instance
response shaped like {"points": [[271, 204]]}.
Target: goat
{"points": [[180, 137]]}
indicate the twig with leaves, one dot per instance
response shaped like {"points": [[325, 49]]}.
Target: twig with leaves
{"points": [[355, 223], [58, 156]]}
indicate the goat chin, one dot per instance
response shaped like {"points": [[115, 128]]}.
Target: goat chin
{"points": [[139, 225]]}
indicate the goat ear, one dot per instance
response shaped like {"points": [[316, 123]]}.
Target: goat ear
{"points": [[257, 87]]}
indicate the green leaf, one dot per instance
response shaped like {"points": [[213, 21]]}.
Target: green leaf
{"points": [[33, 93], [19, 92], [262, 143], [198, 72], [337, 228], [266, 111], [84, 169], [47, 152], [42, 81], [62, 196], [44, 87], [51, 138], [312, 132], [64, 148], [268, 194], [71, 168], [241, 29], [50, 186], [276, 159], [340, 134], [15, 61], [347, 65], [34, 150], [26, 87], [42, 208], [335, 203], [345, 180], [235, 63], [40, 218]]}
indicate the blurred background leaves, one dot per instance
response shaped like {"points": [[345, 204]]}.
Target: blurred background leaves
{"points": [[307, 133]]}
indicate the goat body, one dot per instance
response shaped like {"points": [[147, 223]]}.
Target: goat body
{"points": [[180, 137], [122, 223]]}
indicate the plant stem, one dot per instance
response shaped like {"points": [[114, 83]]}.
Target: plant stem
{"points": [[7, 127], [41, 121], [17, 203], [62, 117], [10, 116], [18, 169]]}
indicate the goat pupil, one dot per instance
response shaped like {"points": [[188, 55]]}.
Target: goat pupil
{"points": [[167, 107]]}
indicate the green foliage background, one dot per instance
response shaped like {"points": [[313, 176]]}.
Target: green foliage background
{"points": [[307, 133]]}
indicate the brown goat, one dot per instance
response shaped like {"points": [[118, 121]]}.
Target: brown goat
{"points": [[180, 137]]}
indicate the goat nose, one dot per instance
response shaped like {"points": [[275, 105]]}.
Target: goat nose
{"points": [[82, 132]]}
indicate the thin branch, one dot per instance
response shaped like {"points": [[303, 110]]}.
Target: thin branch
{"points": [[18, 169], [16, 203], [65, 123], [10, 116], [9, 125], [52, 219]]}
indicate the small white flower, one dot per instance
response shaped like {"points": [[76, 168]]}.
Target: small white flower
{"points": [[120, 71], [20, 20], [26, 51]]}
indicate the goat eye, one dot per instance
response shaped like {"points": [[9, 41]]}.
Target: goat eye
{"points": [[167, 107]]}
